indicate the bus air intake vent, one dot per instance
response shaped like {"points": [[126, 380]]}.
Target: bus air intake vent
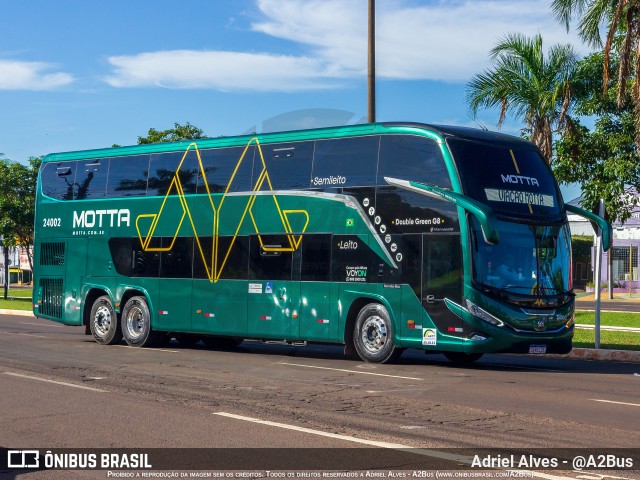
{"points": [[52, 253], [51, 305]]}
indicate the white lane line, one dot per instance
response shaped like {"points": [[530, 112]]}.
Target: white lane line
{"points": [[348, 371], [617, 403], [147, 349], [40, 379], [373, 443], [25, 334], [395, 446], [41, 324]]}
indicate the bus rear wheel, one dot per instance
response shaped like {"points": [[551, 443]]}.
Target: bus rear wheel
{"points": [[103, 322], [373, 335], [136, 324], [461, 357]]}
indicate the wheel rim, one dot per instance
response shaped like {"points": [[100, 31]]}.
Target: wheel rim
{"points": [[102, 320], [374, 334], [134, 322]]}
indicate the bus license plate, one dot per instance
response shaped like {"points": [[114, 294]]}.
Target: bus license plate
{"points": [[537, 349]]}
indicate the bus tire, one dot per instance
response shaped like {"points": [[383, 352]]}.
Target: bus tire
{"points": [[373, 335], [103, 322], [461, 357], [136, 324]]}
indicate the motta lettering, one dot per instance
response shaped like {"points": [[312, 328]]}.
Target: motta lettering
{"points": [[520, 180], [102, 218], [331, 180]]}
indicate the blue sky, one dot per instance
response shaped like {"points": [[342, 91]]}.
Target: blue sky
{"points": [[78, 74]]}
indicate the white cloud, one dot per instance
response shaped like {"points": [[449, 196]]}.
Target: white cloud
{"points": [[425, 40], [435, 40], [221, 70], [17, 75]]}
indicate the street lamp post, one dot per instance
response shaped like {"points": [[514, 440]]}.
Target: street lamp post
{"points": [[371, 74]]}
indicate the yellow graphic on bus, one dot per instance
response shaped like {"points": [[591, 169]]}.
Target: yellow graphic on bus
{"points": [[171, 210]]}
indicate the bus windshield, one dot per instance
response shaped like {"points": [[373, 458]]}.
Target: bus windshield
{"points": [[512, 178], [529, 260]]}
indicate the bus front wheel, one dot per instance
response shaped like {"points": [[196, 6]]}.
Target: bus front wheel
{"points": [[103, 323], [136, 324], [373, 335]]}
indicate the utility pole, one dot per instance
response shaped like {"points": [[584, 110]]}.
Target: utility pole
{"points": [[371, 74]]}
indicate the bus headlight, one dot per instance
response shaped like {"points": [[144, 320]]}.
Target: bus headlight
{"points": [[482, 314]]}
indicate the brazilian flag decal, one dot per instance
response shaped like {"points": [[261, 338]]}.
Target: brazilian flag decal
{"points": [[350, 222]]}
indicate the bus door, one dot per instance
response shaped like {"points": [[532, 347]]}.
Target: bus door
{"points": [[442, 278], [273, 300]]}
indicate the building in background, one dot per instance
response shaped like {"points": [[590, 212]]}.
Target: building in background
{"points": [[624, 253]]}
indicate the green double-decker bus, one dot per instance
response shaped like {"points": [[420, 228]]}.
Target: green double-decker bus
{"points": [[380, 237]]}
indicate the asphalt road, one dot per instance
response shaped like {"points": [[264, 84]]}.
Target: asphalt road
{"points": [[59, 389], [616, 305]]}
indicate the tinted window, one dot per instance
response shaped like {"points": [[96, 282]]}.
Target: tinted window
{"points": [[316, 258], [91, 178], [227, 168], [417, 159], [511, 177], [129, 259], [176, 263], [128, 176], [58, 180], [345, 162], [404, 211], [163, 169], [266, 262], [233, 257], [288, 164]]}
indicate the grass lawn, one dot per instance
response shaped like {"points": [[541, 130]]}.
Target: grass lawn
{"points": [[608, 340], [613, 319]]}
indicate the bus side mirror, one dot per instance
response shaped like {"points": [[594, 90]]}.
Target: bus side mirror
{"points": [[483, 213], [607, 231]]}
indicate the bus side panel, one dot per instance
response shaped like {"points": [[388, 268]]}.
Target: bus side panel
{"points": [[220, 308], [76, 266], [319, 317]]}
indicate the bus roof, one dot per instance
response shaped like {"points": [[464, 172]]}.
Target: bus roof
{"points": [[441, 131]]}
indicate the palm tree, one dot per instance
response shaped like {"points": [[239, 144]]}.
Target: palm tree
{"points": [[624, 18], [525, 83], [624, 22]]}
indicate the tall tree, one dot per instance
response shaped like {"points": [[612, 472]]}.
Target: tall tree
{"points": [[175, 134], [17, 205], [603, 160], [524, 82], [622, 18]]}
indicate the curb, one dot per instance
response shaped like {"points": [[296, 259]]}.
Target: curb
{"points": [[604, 355], [22, 313], [575, 354]]}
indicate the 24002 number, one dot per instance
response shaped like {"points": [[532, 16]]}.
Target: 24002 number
{"points": [[51, 222]]}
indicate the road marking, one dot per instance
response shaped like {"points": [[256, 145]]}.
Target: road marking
{"points": [[41, 324], [147, 349], [395, 446], [617, 403], [55, 381], [373, 443], [25, 334], [348, 371]]}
